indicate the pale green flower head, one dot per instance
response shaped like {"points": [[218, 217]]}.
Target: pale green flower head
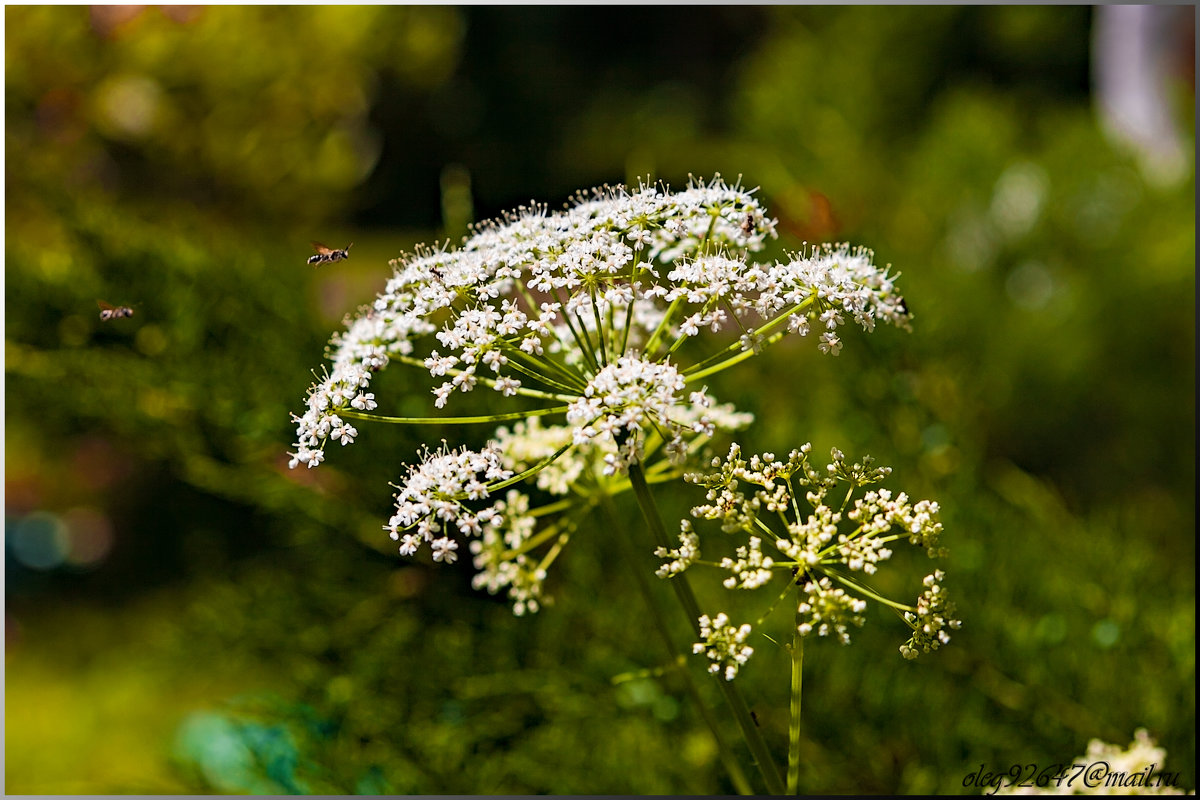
{"points": [[803, 527]]}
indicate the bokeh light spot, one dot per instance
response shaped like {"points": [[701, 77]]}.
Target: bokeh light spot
{"points": [[1106, 633], [73, 330], [39, 541], [1051, 628], [128, 106], [1018, 198], [90, 536], [1030, 285], [150, 340]]}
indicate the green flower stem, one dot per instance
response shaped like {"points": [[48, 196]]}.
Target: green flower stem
{"points": [[736, 346], [736, 775], [633, 270], [535, 541], [797, 648], [593, 349], [683, 591], [663, 325], [535, 469], [536, 412], [517, 362], [795, 490], [601, 331], [553, 508], [553, 552], [571, 378], [774, 604], [664, 474], [867, 592], [585, 349], [729, 362], [416, 362], [683, 337]]}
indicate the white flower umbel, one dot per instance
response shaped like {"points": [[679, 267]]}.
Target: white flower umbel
{"points": [[823, 555], [435, 501], [624, 399], [544, 305], [592, 315]]}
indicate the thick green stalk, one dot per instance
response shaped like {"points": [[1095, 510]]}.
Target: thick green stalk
{"points": [[740, 782], [793, 774], [683, 591]]}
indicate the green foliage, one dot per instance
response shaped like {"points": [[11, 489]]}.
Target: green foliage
{"points": [[179, 161], [256, 110]]}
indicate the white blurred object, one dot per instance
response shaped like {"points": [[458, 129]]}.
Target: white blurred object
{"points": [[1135, 50]]}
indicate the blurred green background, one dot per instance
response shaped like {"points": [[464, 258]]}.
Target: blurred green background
{"points": [[184, 614]]}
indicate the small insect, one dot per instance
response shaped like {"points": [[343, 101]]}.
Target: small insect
{"points": [[903, 306], [327, 255], [748, 224], [109, 311]]}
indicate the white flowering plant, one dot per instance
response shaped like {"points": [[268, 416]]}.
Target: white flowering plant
{"points": [[822, 552], [822, 546], [598, 326]]}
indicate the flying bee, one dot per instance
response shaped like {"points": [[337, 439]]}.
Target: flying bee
{"points": [[327, 255], [109, 311]]}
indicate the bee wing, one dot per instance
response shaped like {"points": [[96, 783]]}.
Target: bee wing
{"points": [[322, 249], [106, 306]]}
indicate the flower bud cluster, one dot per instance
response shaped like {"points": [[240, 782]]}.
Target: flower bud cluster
{"points": [[932, 620], [751, 569], [724, 644], [827, 611], [681, 557]]}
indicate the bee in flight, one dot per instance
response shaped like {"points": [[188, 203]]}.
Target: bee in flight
{"points": [[327, 255], [109, 311]]}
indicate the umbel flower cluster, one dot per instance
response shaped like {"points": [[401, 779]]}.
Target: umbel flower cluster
{"points": [[820, 542], [605, 318]]}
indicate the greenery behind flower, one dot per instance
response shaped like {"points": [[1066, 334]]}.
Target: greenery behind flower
{"points": [[1045, 398]]}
